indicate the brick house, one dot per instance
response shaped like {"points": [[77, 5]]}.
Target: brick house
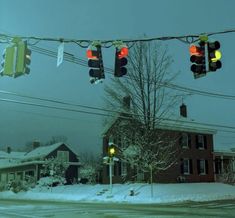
{"points": [[195, 153], [21, 165]]}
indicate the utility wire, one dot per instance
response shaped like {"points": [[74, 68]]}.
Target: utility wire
{"points": [[86, 42], [218, 127]]}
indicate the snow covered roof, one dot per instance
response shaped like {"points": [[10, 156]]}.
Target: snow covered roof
{"points": [[224, 153], [22, 158], [11, 155], [186, 125], [181, 123], [43, 151]]}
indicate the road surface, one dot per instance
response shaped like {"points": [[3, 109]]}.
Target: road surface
{"points": [[36, 209]]}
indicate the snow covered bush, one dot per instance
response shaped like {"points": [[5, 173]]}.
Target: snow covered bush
{"points": [[17, 186], [50, 181], [54, 171], [88, 172]]}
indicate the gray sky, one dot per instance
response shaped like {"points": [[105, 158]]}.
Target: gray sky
{"points": [[109, 19]]}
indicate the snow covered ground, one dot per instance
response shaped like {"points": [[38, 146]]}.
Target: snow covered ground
{"points": [[163, 193]]}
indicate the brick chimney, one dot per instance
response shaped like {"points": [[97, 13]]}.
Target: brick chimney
{"points": [[8, 149], [183, 110]]}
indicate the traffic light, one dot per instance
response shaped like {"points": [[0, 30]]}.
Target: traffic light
{"points": [[198, 58], [214, 56], [8, 62], [23, 59], [120, 61], [95, 62], [111, 150]]}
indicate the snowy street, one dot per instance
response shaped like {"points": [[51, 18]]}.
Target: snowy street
{"points": [[33, 209]]}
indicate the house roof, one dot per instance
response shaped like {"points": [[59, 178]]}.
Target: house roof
{"points": [[186, 125], [44, 151], [11, 155], [230, 152], [22, 158], [173, 123]]}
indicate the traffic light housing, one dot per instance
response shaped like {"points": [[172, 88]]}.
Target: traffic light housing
{"points": [[111, 150], [23, 59], [198, 58], [8, 61], [95, 62], [214, 56], [120, 61]]}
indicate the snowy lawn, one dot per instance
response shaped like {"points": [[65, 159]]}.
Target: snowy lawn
{"points": [[163, 193]]}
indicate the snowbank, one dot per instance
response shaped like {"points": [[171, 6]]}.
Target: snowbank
{"points": [[163, 193]]}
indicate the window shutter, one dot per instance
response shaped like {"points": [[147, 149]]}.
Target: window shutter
{"points": [[205, 142], [198, 167], [191, 166], [197, 143], [206, 165], [180, 140], [182, 166], [189, 140]]}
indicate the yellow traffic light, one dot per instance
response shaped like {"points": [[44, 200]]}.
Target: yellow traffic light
{"points": [[111, 150], [217, 57]]}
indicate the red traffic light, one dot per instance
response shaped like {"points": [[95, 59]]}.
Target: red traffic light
{"points": [[123, 52], [91, 54], [195, 50]]}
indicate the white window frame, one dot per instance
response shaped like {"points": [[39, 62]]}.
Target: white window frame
{"points": [[201, 144], [203, 167], [63, 155], [188, 168], [184, 140]]}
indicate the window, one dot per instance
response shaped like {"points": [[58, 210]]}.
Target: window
{"points": [[186, 167], [202, 167], [184, 140], [63, 156], [3, 177], [19, 175], [201, 141], [11, 176]]}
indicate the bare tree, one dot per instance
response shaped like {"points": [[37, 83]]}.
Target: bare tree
{"points": [[139, 128]]}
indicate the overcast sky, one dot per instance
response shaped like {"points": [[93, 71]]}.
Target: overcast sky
{"points": [[109, 19]]}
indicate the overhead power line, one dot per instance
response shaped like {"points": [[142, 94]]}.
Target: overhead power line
{"points": [[189, 38], [218, 127]]}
